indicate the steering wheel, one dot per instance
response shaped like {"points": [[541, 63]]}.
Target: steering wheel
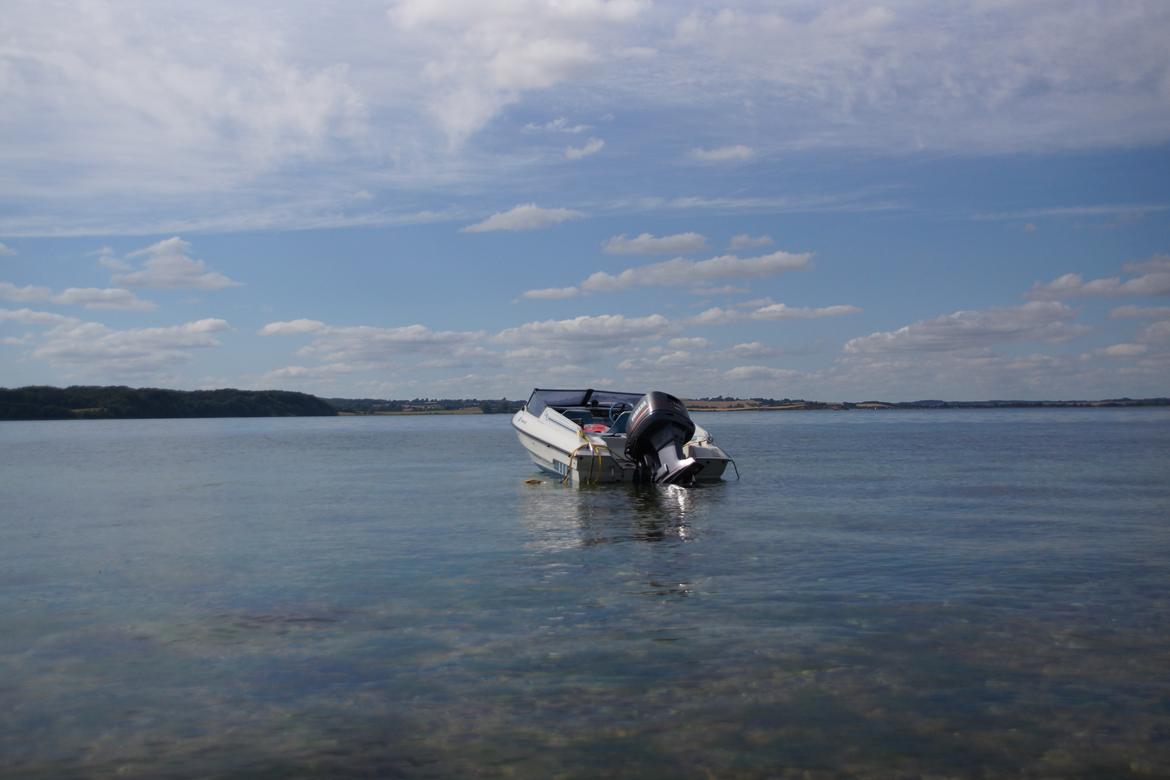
{"points": [[616, 409]]}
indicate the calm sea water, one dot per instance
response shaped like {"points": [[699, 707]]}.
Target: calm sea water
{"points": [[886, 594]]}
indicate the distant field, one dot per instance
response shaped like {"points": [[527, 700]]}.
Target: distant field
{"points": [[720, 406], [465, 410], [741, 405]]}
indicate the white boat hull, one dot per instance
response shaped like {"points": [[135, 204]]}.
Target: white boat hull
{"points": [[559, 447]]}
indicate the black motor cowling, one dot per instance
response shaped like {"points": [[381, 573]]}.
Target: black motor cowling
{"points": [[659, 427]]}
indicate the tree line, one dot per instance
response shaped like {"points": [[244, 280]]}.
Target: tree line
{"points": [[375, 405], [117, 402]]}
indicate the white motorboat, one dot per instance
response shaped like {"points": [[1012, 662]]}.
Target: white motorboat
{"points": [[592, 436]]}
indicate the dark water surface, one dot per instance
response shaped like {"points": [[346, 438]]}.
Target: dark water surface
{"points": [[889, 594]]}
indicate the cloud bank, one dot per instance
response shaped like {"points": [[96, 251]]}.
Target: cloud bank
{"points": [[647, 244], [257, 114], [681, 272], [168, 265], [526, 216], [966, 330]]}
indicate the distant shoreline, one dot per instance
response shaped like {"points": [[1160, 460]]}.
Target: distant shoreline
{"points": [[811, 406], [413, 413], [114, 403]]}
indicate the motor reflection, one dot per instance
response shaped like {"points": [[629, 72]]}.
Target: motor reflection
{"points": [[564, 523], [563, 516]]}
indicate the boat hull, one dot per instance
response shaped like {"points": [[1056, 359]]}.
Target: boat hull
{"points": [[586, 459], [576, 459]]}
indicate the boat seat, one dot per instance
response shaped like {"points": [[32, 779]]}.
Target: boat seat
{"points": [[620, 424]]}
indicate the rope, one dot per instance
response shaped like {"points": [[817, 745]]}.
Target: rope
{"points": [[595, 467], [569, 471], [573, 456]]}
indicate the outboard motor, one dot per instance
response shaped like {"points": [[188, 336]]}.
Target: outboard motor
{"points": [[659, 427]]}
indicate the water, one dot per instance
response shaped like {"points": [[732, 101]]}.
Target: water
{"points": [[885, 594]]}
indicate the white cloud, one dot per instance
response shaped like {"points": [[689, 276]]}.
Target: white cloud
{"points": [[120, 113], [106, 298], [1074, 286], [689, 342], [735, 153], [592, 146], [1125, 350], [1156, 332], [1152, 312], [746, 241], [413, 14], [92, 349], [959, 76], [648, 244], [753, 349], [1123, 212], [150, 99], [551, 293], [6, 250], [723, 289], [326, 371], [365, 343], [682, 272], [89, 297], [717, 315], [526, 216], [1155, 264], [858, 202], [27, 294], [966, 330], [349, 342], [780, 311], [558, 125], [1070, 286], [32, 317], [481, 57], [168, 265], [750, 310], [107, 258], [540, 356], [293, 328], [656, 366], [964, 375], [604, 330], [124, 116], [750, 373]]}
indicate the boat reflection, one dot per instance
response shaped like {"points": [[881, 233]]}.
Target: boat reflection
{"points": [[564, 522], [562, 516]]}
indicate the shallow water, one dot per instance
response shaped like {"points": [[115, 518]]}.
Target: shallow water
{"points": [[883, 594]]}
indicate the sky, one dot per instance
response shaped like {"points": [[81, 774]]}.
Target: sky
{"points": [[840, 200]]}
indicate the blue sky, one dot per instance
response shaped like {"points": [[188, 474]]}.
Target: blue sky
{"points": [[830, 200]]}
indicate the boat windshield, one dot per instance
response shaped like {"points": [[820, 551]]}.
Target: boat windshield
{"points": [[564, 399]]}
